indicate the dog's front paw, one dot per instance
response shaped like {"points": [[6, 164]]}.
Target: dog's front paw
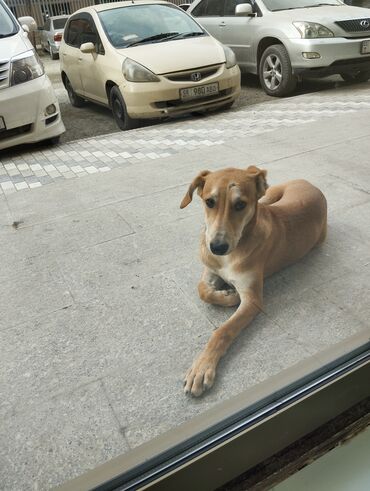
{"points": [[200, 376]]}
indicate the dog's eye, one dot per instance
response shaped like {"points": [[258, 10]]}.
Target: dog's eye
{"points": [[210, 202], [240, 205]]}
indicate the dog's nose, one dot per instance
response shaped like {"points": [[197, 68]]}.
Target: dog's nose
{"points": [[219, 248]]}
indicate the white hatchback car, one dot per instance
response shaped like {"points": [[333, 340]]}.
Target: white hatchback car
{"points": [[145, 59]]}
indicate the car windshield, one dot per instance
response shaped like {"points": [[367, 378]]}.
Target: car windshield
{"points": [[60, 23], [140, 24], [275, 5], [7, 26]]}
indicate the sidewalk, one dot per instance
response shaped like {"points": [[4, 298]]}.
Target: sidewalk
{"points": [[100, 313]]}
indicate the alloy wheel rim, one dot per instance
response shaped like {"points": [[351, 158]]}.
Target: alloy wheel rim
{"points": [[272, 72]]}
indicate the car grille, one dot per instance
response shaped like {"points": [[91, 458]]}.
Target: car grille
{"points": [[352, 61], [15, 131], [355, 25], [186, 76], [4, 73]]}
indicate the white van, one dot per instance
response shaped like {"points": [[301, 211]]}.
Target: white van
{"points": [[29, 109]]}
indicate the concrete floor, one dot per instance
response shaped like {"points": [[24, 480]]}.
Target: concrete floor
{"points": [[100, 314]]}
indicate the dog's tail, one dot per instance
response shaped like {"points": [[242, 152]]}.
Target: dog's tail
{"points": [[273, 194]]}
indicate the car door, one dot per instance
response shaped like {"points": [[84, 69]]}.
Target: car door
{"points": [[71, 52], [209, 14], [91, 64], [238, 33], [218, 17]]}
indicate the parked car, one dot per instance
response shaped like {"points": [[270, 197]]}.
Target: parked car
{"points": [[147, 59], [29, 109], [51, 34], [284, 41]]}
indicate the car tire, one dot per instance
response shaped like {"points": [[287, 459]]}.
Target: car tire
{"points": [[74, 99], [119, 110], [53, 56], [52, 141], [275, 72], [360, 76]]}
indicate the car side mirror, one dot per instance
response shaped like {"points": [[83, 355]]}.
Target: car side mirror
{"points": [[87, 48], [29, 22], [244, 10]]}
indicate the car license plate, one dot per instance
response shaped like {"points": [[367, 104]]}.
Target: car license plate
{"points": [[2, 124], [365, 47], [201, 91]]}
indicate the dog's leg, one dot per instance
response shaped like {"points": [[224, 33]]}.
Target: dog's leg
{"points": [[201, 375], [209, 290]]}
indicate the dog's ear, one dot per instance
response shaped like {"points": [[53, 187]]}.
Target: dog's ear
{"points": [[260, 177], [198, 182]]}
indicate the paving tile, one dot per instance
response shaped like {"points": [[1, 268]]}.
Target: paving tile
{"points": [[77, 345], [95, 273], [157, 209], [351, 292], [58, 440], [70, 233], [153, 401], [29, 293], [313, 320]]}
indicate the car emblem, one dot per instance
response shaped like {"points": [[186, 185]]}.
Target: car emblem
{"points": [[365, 23], [196, 76]]}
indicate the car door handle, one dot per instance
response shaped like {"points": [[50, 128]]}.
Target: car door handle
{"points": [[222, 24], [79, 59]]}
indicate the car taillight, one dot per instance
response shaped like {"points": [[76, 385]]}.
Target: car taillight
{"points": [[58, 36]]}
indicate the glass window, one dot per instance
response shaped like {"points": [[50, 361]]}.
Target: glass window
{"points": [[81, 31], [274, 5], [126, 26], [209, 8], [60, 23], [7, 25]]}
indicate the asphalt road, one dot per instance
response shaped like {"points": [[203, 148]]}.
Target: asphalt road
{"points": [[93, 120]]}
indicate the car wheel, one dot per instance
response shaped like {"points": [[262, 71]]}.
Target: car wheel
{"points": [[360, 76], [53, 55], [52, 141], [119, 110], [275, 71], [74, 99]]}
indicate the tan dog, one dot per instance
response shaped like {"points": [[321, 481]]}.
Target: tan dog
{"points": [[248, 236]]}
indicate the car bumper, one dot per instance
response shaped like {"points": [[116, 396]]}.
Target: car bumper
{"points": [[162, 99], [22, 108], [55, 46], [337, 55]]}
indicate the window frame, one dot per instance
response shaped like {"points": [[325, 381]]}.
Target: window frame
{"points": [[239, 433], [86, 16]]}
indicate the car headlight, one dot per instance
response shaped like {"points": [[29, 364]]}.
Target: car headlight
{"points": [[311, 30], [25, 67], [134, 72], [230, 57]]}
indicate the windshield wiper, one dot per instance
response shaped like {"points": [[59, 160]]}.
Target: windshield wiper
{"points": [[156, 37], [183, 35], [323, 5]]}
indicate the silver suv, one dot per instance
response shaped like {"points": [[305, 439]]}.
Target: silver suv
{"points": [[283, 41]]}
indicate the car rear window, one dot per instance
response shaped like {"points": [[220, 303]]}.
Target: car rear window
{"points": [[59, 23]]}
